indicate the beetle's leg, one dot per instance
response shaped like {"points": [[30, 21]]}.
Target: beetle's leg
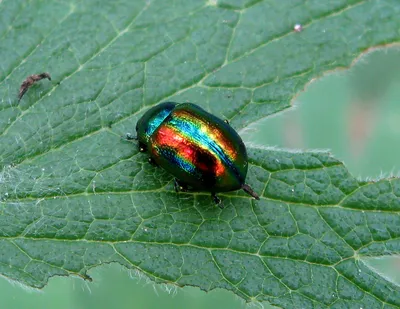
{"points": [[217, 200], [176, 185], [179, 186], [130, 137], [142, 147], [152, 162], [226, 121]]}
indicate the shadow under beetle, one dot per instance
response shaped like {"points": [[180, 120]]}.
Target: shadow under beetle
{"points": [[202, 152]]}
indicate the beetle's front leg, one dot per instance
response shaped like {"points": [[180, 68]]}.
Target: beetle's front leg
{"points": [[130, 137]]}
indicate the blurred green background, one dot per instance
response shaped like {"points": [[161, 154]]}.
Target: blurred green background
{"points": [[353, 113]]}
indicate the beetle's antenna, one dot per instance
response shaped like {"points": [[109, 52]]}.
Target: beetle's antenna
{"points": [[249, 190]]}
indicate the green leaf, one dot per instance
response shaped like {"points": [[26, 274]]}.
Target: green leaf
{"points": [[74, 195]]}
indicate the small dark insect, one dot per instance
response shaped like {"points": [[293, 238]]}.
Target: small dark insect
{"points": [[29, 81]]}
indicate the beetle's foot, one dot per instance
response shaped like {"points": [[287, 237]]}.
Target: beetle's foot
{"points": [[217, 200], [152, 162], [179, 187], [130, 137], [226, 121]]}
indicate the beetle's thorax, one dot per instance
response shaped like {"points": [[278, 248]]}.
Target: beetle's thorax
{"points": [[151, 120]]}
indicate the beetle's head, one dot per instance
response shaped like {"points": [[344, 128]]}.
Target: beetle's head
{"points": [[150, 121]]}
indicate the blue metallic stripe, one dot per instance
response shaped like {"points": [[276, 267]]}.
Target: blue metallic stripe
{"points": [[174, 158], [192, 131], [155, 122]]}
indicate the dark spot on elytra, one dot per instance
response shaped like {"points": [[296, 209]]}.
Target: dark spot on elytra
{"points": [[207, 165]]}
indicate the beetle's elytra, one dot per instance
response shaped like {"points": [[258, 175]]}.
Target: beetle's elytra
{"points": [[202, 152]]}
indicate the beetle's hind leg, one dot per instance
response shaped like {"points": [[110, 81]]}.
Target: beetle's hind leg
{"points": [[217, 200], [179, 186]]}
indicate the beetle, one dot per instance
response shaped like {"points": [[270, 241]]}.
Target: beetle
{"points": [[202, 151]]}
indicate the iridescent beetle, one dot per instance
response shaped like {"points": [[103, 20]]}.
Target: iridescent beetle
{"points": [[202, 152]]}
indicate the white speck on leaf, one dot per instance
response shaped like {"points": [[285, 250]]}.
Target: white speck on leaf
{"points": [[298, 27]]}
